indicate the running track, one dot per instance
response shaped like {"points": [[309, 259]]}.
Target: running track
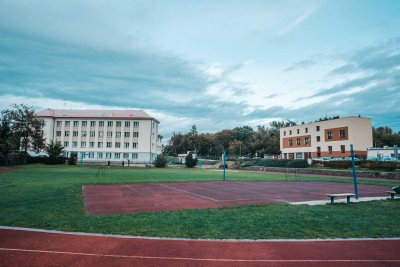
{"points": [[43, 248]]}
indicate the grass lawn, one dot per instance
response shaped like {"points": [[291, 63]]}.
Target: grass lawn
{"points": [[50, 197]]}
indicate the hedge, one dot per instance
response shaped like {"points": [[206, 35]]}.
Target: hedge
{"points": [[285, 163]]}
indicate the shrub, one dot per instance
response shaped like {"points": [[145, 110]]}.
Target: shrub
{"points": [[340, 164], [381, 165], [160, 161], [72, 160], [284, 163], [190, 162]]}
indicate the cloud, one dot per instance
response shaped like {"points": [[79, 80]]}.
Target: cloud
{"points": [[296, 22]]}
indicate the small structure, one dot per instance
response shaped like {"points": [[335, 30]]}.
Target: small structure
{"points": [[382, 152], [182, 157]]}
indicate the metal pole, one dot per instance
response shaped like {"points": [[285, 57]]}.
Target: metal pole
{"points": [[354, 171], [224, 165]]}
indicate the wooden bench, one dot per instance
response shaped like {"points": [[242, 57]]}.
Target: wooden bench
{"points": [[347, 195], [392, 194]]}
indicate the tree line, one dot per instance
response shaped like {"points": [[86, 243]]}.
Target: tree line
{"points": [[246, 141]]}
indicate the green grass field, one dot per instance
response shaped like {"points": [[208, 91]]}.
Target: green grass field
{"points": [[50, 197]]}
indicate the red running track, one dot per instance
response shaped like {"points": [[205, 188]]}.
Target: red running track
{"points": [[10, 170], [32, 248]]}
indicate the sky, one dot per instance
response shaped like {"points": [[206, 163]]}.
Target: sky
{"points": [[213, 64]]}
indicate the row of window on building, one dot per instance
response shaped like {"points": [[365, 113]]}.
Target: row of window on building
{"points": [[93, 123], [100, 144], [317, 128], [299, 155], [99, 133], [329, 135], [105, 155]]}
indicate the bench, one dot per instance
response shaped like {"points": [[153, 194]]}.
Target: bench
{"points": [[347, 195], [392, 194]]}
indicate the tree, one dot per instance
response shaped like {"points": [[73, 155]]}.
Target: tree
{"points": [[190, 162], [54, 150], [160, 161], [6, 142], [25, 127]]}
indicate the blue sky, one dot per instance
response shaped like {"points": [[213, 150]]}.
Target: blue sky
{"points": [[216, 64]]}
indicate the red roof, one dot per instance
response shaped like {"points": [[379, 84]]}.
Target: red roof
{"points": [[114, 114]]}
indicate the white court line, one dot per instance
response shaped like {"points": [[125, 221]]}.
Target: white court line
{"points": [[179, 258], [194, 194]]}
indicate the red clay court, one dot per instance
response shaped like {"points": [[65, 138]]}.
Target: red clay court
{"points": [[154, 197]]}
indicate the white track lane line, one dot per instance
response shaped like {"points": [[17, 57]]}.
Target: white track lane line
{"points": [[179, 258]]}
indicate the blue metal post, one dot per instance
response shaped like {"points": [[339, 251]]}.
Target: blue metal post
{"points": [[224, 165], [354, 171]]}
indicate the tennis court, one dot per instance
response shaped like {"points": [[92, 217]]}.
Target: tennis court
{"points": [[154, 197]]}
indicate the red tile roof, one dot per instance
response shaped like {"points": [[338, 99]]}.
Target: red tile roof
{"points": [[114, 114]]}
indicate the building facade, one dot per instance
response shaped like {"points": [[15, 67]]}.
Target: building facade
{"points": [[331, 138], [382, 152], [103, 135]]}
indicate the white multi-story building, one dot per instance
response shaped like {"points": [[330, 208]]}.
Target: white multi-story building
{"points": [[330, 138], [103, 135]]}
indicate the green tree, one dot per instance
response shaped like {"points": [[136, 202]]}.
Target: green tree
{"points": [[25, 127], [190, 162], [160, 161], [54, 150]]}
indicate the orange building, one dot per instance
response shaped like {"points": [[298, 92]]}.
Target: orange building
{"points": [[331, 138]]}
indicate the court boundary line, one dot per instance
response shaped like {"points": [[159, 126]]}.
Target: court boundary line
{"points": [[192, 239], [182, 258], [187, 192]]}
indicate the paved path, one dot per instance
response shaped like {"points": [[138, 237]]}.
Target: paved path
{"points": [[33, 248]]}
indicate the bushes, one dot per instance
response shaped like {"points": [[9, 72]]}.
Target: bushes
{"points": [[338, 164], [160, 161], [381, 165], [284, 163], [190, 162], [72, 160]]}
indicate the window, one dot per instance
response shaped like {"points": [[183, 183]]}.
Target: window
{"points": [[101, 134], [66, 144], [91, 144], [109, 134], [135, 124], [134, 155], [329, 135], [298, 131], [74, 144], [75, 133], [126, 145], [127, 124], [134, 145], [92, 134], [318, 138], [126, 155], [284, 133], [84, 123], [83, 133], [290, 132], [330, 149], [58, 133], [126, 134], [91, 155], [109, 123], [299, 155], [108, 155], [58, 123], [342, 149], [99, 155], [101, 123], [343, 133], [117, 134], [306, 140], [92, 124], [318, 149], [118, 124], [83, 144], [109, 144], [76, 123], [117, 155], [306, 130], [66, 133], [117, 144], [135, 134], [66, 123], [290, 142], [100, 144], [317, 128], [298, 141]]}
